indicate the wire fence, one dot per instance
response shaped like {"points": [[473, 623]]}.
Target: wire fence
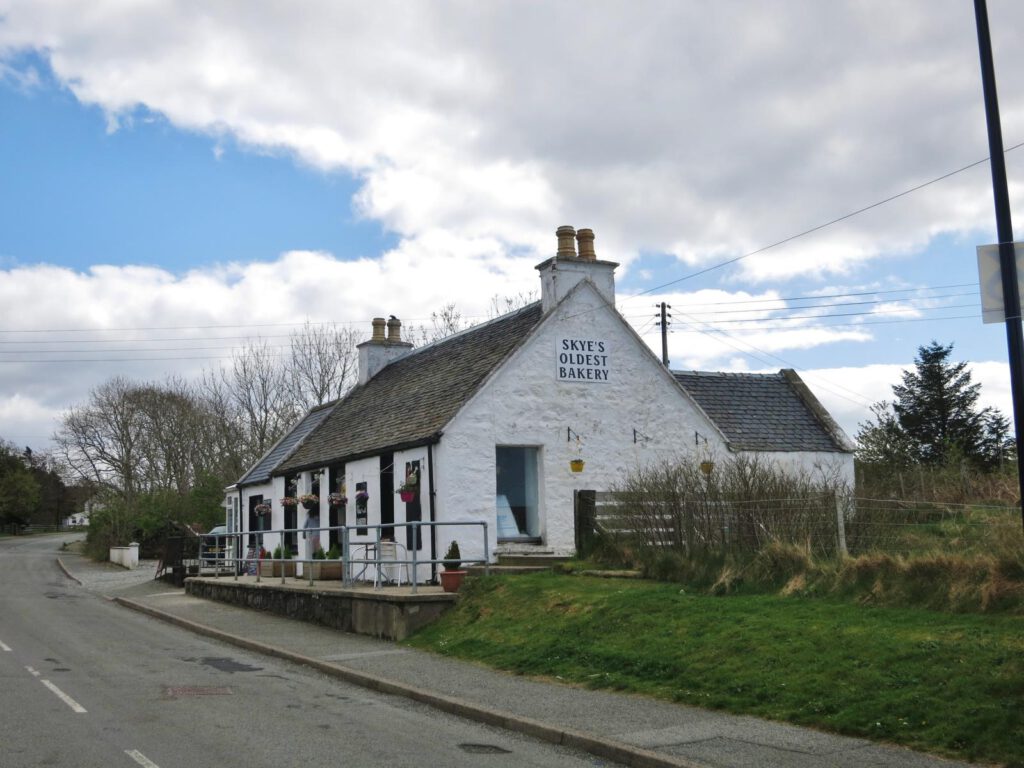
{"points": [[824, 524]]}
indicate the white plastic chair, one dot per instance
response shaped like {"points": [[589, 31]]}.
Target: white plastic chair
{"points": [[391, 573]]}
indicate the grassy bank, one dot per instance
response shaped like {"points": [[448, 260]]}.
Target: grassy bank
{"points": [[952, 684]]}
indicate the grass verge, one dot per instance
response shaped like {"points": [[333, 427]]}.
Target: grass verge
{"points": [[946, 683]]}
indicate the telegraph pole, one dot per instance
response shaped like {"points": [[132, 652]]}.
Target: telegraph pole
{"points": [[664, 332], [1004, 230]]}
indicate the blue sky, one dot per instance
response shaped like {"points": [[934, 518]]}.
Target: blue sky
{"points": [[76, 194], [245, 170]]}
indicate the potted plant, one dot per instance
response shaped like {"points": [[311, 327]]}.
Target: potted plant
{"points": [[407, 491], [262, 508], [361, 498], [452, 576], [310, 501], [281, 567], [329, 564], [576, 465], [337, 500], [289, 501]]}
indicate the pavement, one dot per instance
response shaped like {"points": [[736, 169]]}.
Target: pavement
{"points": [[628, 729]]}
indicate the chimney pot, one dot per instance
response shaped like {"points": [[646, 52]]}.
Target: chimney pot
{"points": [[378, 329], [566, 242], [394, 330], [586, 240]]}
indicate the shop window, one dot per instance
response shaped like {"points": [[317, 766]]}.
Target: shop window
{"points": [[516, 493]]}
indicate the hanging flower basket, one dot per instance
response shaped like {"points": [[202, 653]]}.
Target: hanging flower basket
{"points": [[362, 497], [576, 465], [337, 500], [262, 509], [310, 501], [289, 501], [406, 495]]}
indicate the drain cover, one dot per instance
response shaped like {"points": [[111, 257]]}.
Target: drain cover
{"points": [[182, 691], [484, 749]]}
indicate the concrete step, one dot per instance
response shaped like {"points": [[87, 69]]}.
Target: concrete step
{"points": [[478, 570], [531, 560]]}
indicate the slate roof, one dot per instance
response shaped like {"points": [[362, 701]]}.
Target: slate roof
{"points": [[264, 467], [764, 411], [409, 401]]}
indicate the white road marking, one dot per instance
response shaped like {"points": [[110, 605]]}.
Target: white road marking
{"points": [[33, 672], [4, 647], [140, 758], [75, 706]]}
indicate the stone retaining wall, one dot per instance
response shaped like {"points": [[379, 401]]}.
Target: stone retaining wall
{"points": [[392, 617]]}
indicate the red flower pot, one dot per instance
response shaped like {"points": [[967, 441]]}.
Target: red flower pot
{"points": [[407, 496]]}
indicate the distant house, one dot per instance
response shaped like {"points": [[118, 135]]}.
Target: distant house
{"points": [[485, 425]]}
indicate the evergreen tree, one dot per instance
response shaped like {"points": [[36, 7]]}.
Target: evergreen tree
{"points": [[937, 405], [935, 418]]}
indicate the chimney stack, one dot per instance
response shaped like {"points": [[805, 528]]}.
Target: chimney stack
{"points": [[394, 330], [586, 240], [381, 351], [566, 242], [562, 273]]}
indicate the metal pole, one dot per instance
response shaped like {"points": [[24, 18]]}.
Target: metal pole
{"points": [[1004, 230], [664, 334]]}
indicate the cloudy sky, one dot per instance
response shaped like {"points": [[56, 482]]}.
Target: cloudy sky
{"points": [[178, 177]]}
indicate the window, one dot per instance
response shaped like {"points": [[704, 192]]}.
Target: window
{"points": [[516, 494]]}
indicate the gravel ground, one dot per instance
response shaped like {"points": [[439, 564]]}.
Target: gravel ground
{"points": [[105, 578]]}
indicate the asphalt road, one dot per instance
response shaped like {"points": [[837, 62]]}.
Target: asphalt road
{"points": [[84, 682]]}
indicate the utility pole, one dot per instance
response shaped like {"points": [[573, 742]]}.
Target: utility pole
{"points": [[664, 331], [1004, 230]]}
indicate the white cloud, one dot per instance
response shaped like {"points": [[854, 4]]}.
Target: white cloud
{"points": [[112, 320], [704, 130], [847, 392]]}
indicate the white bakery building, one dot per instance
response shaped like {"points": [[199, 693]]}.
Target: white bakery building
{"points": [[488, 421]]}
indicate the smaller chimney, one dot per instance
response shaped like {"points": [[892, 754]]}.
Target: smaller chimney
{"points": [[566, 242], [379, 352], [586, 240], [394, 330]]}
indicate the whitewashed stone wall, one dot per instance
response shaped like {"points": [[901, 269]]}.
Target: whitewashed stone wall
{"points": [[525, 404]]}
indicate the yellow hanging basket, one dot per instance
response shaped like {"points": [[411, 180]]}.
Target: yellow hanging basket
{"points": [[576, 465]]}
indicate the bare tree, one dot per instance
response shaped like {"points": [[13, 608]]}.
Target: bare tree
{"points": [[254, 393], [502, 305], [101, 441], [323, 364]]}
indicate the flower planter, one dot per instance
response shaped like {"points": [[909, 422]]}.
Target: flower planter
{"points": [[452, 580], [311, 506], [286, 567], [407, 496], [576, 465], [326, 570], [266, 568]]}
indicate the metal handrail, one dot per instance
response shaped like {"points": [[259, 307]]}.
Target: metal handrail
{"points": [[236, 538]]}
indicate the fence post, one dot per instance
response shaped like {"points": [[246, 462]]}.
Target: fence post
{"points": [[415, 569], [841, 503], [585, 506]]}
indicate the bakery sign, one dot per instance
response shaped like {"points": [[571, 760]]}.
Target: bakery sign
{"points": [[582, 360]]}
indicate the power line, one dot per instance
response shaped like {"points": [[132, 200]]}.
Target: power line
{"points": [[831, 314], [907, 300], [838, 295], [813, 327], [820, 227]]}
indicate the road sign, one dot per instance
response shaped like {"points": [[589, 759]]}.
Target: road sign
{"points": [[990, 281]]}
